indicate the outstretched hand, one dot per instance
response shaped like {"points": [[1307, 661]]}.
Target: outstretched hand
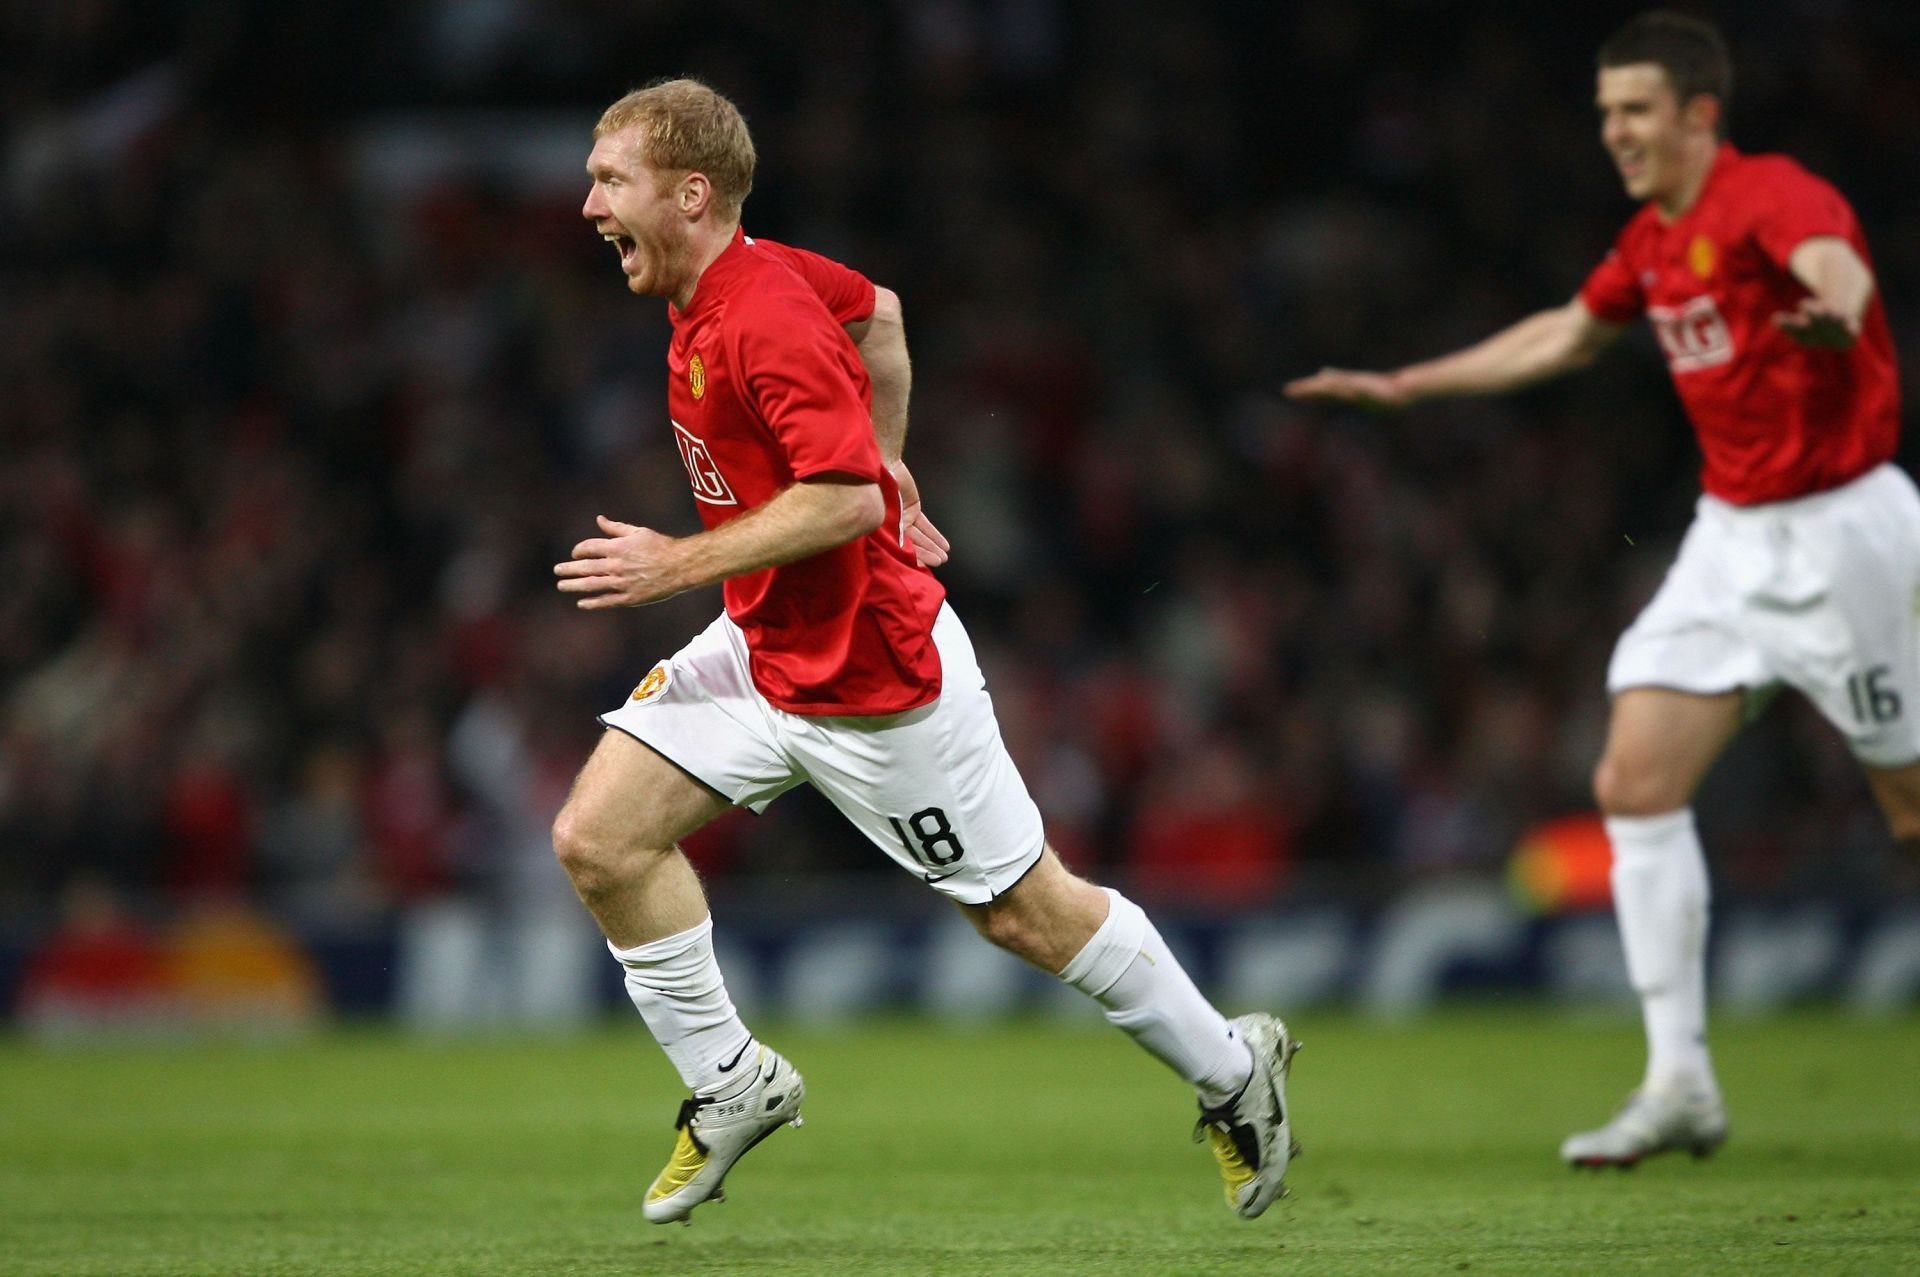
{"points": [[1818, 325], [1373, 391], [930, 546], [628, 567]]}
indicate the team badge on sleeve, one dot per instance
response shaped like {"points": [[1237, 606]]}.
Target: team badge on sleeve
{"points": [[697, 376], [653, 684]]}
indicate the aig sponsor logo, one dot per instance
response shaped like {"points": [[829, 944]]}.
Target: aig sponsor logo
{"points": [[709, 485], [1694, 335]]}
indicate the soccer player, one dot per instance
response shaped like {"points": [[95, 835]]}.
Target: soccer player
{"points": [[836, 662], [1801, 565]]}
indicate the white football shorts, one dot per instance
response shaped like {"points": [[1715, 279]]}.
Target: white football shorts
{"points": [[1818, 593], [932, 787]]}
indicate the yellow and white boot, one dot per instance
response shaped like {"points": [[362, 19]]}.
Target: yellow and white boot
{"points": [[1252, 1134], [717, 1131]]}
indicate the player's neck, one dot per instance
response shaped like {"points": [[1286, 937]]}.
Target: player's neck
{"points": [[1685, 193], [708, 241]]}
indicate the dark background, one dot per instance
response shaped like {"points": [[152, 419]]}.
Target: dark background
{"points": [[311, 370]]}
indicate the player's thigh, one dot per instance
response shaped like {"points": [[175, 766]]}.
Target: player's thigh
{"points": [[1880, 712], [1856, 655], [1897, 790], [1688, 638], [1660, 745], [629, 796], [934, 787], [700, 711]]}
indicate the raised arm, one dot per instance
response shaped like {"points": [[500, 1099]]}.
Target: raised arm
{"points": [[1839, 286], [632, 565], [881, 339], [1543, 345]]}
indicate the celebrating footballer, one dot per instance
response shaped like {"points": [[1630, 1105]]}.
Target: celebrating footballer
{"points": [[1802, 563]]}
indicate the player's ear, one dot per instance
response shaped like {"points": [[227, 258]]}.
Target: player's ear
{"points": [[1703, 111], [696, 194]]}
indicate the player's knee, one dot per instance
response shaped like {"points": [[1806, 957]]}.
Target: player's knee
{"points": [[574, 846], [1905, 826], [595, 862], [1007, 927], [1624, 785]]}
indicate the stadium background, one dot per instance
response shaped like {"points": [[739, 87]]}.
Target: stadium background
{"points": [[312, 371]]}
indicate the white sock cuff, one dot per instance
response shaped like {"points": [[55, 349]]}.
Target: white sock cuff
{"points": [[1631, 834], [656, 951], [1106, 957]]}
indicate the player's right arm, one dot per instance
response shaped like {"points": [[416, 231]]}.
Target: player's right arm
{"points": [[1542, 346], [632, 566]]}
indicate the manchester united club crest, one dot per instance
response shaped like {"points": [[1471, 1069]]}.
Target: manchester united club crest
{"points": [[1701, 256], [697, 376], [653, 684]]}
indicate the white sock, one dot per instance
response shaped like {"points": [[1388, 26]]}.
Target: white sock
{"points": [[675, 985], [1128, 969], [1660, 895]]}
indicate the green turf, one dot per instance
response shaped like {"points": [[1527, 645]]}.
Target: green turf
{"points": [[1025, 1150]]}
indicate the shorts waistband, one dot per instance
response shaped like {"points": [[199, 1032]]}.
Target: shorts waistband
{"points": [[1763, 511]]}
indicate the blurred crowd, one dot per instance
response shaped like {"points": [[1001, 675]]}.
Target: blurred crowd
{"points": [[312, 371]]}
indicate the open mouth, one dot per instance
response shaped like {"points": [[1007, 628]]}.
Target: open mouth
{"points": [[623, 245]]}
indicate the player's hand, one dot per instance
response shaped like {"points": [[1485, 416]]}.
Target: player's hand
{"points": [[1374, 391], [628, 567], [930, 545], [1818, 325]]}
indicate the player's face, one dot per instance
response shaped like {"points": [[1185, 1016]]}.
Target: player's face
{"points": [[1641, 126], [629, 208]]}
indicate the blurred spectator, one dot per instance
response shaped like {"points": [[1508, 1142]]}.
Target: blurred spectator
{"points": [[1210, 831], [313, 371], [312, 845], [411, 821], [99, 973]]}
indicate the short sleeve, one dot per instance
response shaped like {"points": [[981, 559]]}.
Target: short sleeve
{"points": [[802, 377], [1612, 293], [1791, 206], [848, 295]]}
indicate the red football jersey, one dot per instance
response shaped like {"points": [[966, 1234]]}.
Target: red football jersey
{"points": [[1775, 420], [765, 389]]}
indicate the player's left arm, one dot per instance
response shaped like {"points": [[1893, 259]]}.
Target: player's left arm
{"points": [[881, 339], [1839, 286], [631, 566]]}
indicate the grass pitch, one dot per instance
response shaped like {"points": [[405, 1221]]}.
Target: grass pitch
{"points": [[1030, 1149]]}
